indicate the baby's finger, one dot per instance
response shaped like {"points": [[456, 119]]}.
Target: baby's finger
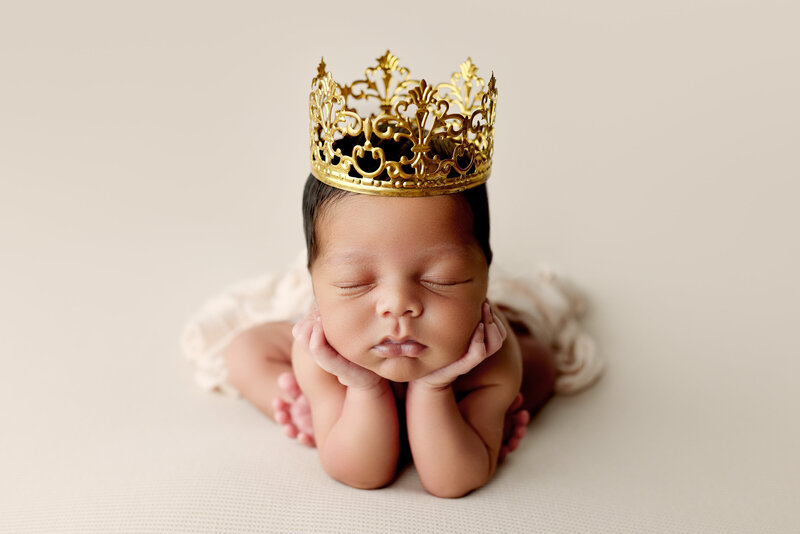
{"points": [[493, 319], [308, 319], [486, 311], [330, 360], [323, 353], [475, 354], [302, 330], [503, 330], [494, 337], [296, 327]]}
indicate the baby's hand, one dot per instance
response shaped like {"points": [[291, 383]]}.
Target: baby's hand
{"points": [[310, 333], [487, 339]]}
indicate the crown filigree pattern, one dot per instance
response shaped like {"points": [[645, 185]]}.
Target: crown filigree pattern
{"points": [[447, 130]]}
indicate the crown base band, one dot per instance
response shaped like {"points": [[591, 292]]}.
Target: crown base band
{"points": [[396, 188]]}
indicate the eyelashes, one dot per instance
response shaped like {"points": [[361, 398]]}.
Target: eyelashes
{"points": [[436, 284], [359, 288], [353, 289]]}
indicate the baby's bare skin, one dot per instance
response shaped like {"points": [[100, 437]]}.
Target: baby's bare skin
{"points": [[295, 415], [398, 307], [259, 365]]}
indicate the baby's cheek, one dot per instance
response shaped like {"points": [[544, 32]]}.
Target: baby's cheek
{"points": [[340, 331], [333, 329], [461, 326]]}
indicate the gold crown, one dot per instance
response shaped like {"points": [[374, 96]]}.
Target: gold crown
{"points": [[445, 132]]}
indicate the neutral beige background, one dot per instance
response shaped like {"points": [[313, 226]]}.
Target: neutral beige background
{"points": [[151, 153]]}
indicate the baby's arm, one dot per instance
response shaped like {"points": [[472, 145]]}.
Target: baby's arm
{"points": [[353, 411], [456, 445]]}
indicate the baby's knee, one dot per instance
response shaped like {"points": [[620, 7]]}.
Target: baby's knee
{"points": [[254, 347], [245, 343], [241, 349]]}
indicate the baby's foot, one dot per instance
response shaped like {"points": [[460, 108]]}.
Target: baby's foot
{"points": [[515, 427], [294, 416]]}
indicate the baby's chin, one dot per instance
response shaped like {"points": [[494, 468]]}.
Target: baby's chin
{"points": [[399, 376], [402, 369]]}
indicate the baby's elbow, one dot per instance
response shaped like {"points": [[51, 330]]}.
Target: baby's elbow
{"points": [[358, 474], [365, 481], [447, 493], [451, 489]]}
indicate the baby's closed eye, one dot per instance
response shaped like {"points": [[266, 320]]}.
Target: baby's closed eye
{"points": [[443, 283], [353, 288]]}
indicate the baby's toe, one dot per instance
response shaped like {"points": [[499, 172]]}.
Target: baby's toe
{"points": [[282, 413], [523, 417], [290, 431], [305, 439], [301, 414], [288, 383]]}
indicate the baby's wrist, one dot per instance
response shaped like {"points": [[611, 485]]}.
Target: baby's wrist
{"points": [[376, 390], [422, 385]]}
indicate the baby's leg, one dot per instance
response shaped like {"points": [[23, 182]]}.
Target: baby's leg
{"points": [[538, 378], [260, 367], [255, 358], [539, 369]]}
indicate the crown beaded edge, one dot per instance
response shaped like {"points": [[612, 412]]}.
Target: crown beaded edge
{"points": [[458, 114]]}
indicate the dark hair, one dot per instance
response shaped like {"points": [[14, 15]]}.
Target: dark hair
{"points": [[317, 195]]}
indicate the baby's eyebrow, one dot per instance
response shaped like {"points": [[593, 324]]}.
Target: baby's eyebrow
{"points": [[346, 258], [362, 257], [448, 248]]}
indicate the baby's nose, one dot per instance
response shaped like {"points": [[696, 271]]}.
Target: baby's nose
{"points": [[398, 301]]}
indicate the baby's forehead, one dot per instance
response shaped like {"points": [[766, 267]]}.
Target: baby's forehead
{"points": [[375, 229], [347, 253]]}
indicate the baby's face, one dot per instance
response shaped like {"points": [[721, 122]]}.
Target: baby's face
{"points": [[399, 282]]}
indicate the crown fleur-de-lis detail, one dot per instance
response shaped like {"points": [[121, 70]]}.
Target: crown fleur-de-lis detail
{"points": [[447, 130], [387, 62], [468, 69], [421, 95]]}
